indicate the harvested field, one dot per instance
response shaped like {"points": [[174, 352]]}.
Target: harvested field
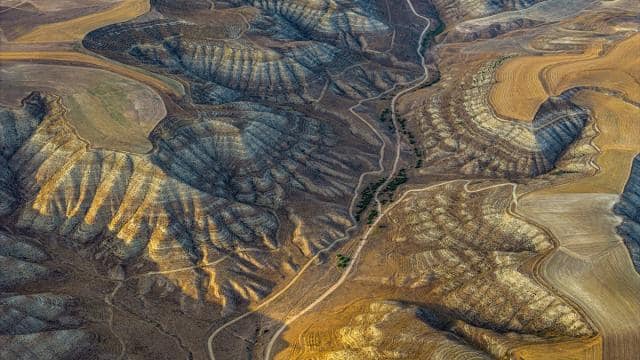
{"points": [[19, 17], [591, 266], [518, 91], [528, 81], [107, 110], [58, 5], [158, 82], [321, 179], [75, 29], [618, 70]]}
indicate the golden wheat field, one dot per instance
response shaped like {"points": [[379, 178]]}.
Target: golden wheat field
{"points": [[75, 29]]}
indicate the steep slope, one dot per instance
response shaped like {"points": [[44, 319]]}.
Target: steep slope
{"points": [[458, 127], [460, 258], [514, 15], [165, 208], [457, 10], [280, 51], [15, 127], [468, 264], [629, 208]]}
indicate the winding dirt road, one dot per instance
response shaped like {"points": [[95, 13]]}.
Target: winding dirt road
{"points": [[364, 242], [417, 83]]}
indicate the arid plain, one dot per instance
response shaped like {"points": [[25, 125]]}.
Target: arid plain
{"points": [[319, 179]]}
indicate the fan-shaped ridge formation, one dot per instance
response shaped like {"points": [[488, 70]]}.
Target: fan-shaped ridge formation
{"points": [[255, 154], [241, 66], [460, 257], [308, 44], [458, 126], [456, 10], [385, 330], [488, 23], [469, 263], [332, 179], [208, 192], [325, 17]]}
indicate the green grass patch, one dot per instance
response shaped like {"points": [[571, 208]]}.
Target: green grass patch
{"points": [[343, 261]]}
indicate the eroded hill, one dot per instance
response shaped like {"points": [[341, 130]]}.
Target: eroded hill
{"points": [[318, 179]]}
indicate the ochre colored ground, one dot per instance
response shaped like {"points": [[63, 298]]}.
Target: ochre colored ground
{"points": [[524, 83], [75, 29], [618, 70], [518, 91]]}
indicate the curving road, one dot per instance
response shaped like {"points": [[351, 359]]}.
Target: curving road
{"points": [[381, 169], [364, 241], [394, 169]]}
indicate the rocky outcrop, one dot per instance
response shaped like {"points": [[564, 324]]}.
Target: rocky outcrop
{"points": [[629, 208]]}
